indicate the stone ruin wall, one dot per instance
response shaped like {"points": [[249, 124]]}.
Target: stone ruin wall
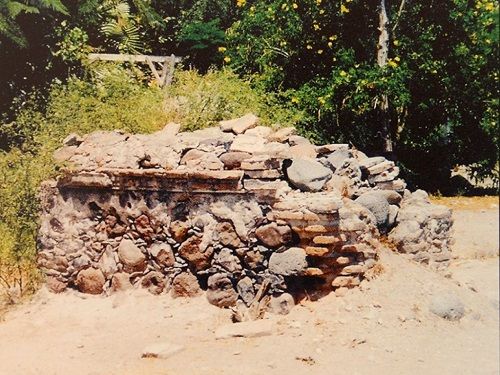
{"points": [[239, 210]]}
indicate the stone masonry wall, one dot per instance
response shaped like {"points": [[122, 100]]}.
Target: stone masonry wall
{"points": [[240, 211]]}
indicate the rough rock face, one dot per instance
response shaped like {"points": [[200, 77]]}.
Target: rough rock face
{"points": [[232, 210], [422, 230]]}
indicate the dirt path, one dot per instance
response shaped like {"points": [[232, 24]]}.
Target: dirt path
{"points": [[385, 328]]}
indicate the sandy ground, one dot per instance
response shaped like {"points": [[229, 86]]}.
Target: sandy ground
{"points": [[383, 328]]}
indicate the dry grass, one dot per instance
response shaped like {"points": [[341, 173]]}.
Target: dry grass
{"points": [[468, 203]]}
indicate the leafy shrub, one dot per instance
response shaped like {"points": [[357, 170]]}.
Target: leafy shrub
{"points": [[111, 97], [197, 101]]}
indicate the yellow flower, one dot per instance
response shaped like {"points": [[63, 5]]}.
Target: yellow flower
{"points": [[343, 73], [343, 9], [392, 63], [333, 37], [397, 58], [320, 51], [241, 3], [295, 100], [309, 46], [318, 2], [321, 100], [396, 42], [227, 59], [294, 6], [316, 26], [330, 44], [222, 49], [490, 7]]}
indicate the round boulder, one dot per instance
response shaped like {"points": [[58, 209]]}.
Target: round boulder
{"points": [[131, 256], [288, 263], [90, 281]]}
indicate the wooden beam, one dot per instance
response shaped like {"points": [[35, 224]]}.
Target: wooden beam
{"points": [[131, 58]]}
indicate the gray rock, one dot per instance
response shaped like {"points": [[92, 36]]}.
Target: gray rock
{"points": [[241, 124], [282, 304], [228, 261], [232, 160], [377, 203], [308, 175], [338, 158], [246, 290], [393, 213], [288, 263], [447, 306]]}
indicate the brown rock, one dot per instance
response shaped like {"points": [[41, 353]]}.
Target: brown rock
{"points": [[227, 235], [54, 285], [154, 282], [282, 135], [143, 226], [220, 291], [232, 160], [90, 281], [253, 259], [131, 256], [179, 230], [163, 254], [305, 150], [120, 281], [274, 235], [185, 285], [190, 251]]}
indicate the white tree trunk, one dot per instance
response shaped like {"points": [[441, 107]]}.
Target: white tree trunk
{"points": [[382, 57]]}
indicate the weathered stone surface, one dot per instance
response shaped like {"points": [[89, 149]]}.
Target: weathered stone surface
{"points": [[246, 290], [303, 150], [179, 230], [185, 285], [338, 158], [282, 135], [241, 124], [233, 159], [274, 235], [227, 235], [55, 285], [282, 304], [220, 291], [256, 328], [162, 253], [308, 175], [90, 281], [190, 250], [288, 263], [447, 305], [248, 143], [107, 263], [377, 203], [154, 282], [228, 261], [260, 131], [131, 256]]}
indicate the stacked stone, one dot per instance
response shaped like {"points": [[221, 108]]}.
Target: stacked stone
{"points": [[230, 210], [422, 231]]}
